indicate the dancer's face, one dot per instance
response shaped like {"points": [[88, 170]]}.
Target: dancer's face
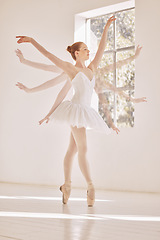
{"points": [[83, 52]]}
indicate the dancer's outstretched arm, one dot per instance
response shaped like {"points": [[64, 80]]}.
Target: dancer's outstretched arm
{"points": [[103, 102], [62, 94], [111, 87], [95, 63], [45, 67], [54, 81], [65, 66], [119, 64]]}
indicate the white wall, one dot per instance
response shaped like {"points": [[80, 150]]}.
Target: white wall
{"points": [[33, 154]]}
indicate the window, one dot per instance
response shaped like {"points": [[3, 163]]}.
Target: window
{"points": [[120, 45]]}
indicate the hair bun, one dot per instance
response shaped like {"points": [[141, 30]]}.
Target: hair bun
{"points": [[69, 49]]}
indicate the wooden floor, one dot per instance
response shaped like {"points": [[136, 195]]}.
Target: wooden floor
{"points": [[37, 213]]}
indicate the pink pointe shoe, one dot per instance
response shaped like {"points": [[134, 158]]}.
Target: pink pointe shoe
{"points": [[66, 190], [90, 195]]}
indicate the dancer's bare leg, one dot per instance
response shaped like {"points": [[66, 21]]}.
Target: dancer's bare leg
{"points": [[81, 141], [68, 160], [79, 135]]}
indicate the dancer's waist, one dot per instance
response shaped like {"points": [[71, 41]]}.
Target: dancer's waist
{"points": [[81, 101]]}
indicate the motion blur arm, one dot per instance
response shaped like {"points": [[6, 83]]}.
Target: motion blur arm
{"points": [[62, 94], [51, 83], [45, 67]]}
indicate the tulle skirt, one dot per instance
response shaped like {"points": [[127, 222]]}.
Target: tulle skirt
{"points": [[79, 115]]}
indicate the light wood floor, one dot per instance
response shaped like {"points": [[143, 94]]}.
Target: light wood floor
{"points": [[37, 213]]}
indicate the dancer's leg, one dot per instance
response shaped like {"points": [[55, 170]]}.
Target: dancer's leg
{"points": [[68, 160], [79, 135]]}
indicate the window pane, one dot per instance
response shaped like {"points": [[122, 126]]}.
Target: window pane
{"points": [[125, 28], [125, 112], [97, 26], [102, 74], [126, 74]]}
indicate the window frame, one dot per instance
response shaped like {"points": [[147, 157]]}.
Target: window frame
{"points": [[114, 50]]}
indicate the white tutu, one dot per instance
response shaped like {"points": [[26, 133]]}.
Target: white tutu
{"points": [[78, 112]]}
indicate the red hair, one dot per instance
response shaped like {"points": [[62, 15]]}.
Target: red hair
{"points": [[74, 47]]}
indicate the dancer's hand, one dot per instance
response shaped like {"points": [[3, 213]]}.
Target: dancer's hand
{"points": [[138, 100], [115, 128], [20, 55], [44, 119], [110, 20], [23, 39], [22, 87], [138, 50]]}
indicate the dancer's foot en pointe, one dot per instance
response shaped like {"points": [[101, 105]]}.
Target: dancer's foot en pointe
{"points": [[90, 194], [66, 190]]}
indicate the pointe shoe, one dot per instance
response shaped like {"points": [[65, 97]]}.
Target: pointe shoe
{"points": [[66, 190], [90, 192]]}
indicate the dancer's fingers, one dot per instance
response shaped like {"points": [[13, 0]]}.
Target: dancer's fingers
{"points": [[113, 19], [17, 52], [20, 36], [19, 41], [144, 98], [118, 130], [19, 86], [40, 122], [18, 83], [47, 120]]}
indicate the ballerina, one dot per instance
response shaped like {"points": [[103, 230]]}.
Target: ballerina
{"points": [[100, 84], [77, 112]]}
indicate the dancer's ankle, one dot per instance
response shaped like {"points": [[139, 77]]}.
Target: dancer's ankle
{"points": [[90, 185], [68, 183]]}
